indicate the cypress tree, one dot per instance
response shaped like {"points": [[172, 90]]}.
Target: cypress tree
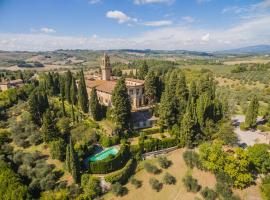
{"points": [[63, 107], [121, 104], [74, 163], [56, 83], [252, 113], [48, 127], [50, 84], [150, 86], [68, 86], [82, 94], [68, 158], [73, 91], [95, 107], [143, 70]]}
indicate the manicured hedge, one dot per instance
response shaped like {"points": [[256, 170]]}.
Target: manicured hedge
{"points": [[111, 164], [153, 144], [150, 131], [123, 174]]}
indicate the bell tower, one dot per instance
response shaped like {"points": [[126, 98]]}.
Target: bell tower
{"points": [[105, 68]]}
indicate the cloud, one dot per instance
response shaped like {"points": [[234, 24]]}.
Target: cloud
{"points": [[47, 30], [139, 2], [189, 19], [206, 37], [203, 1], [158, 23], [120, 16], [265, 4], [245, 33], [94, 1]]}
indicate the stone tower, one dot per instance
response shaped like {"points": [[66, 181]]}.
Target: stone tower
{"points": [[105, 68]]}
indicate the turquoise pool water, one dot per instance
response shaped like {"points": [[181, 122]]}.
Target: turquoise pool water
{"points": [[104, 154]]}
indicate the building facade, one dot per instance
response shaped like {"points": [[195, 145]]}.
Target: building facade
{"points": [[11, 84], [105, 84]]}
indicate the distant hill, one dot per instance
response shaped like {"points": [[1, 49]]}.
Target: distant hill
{"points": [[258, 49]]}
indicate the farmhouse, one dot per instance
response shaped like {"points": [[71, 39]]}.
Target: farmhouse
{"points": [[105, 84], [11, 84]]}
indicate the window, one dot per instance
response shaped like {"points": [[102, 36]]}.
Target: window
{"points": [[131, 92], [137, 91]]}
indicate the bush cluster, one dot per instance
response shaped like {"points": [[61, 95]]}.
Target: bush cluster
{"points": [[164, 162], [192, 159], [136, 182], [151, 168], [118, 190], [169, 179], [155, 184], [191, 184]]}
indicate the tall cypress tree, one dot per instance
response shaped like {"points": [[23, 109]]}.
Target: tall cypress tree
{"points": [[150, 86], [95, 107], [48, 127], [73, 91], [143, 70], [121, 104], [72, 162], [82, 93], [68, 85], [252, 113]]}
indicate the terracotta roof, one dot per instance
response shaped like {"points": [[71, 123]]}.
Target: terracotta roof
{"points": [[101, 85], [134, 80]]}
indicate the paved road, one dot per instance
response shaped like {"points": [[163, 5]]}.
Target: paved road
{"points": [[249, 137]]}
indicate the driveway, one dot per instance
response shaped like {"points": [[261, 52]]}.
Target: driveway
{"points": [[249, 137]]}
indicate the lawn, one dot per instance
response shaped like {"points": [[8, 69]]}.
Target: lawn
{"points": [[177, 191]]}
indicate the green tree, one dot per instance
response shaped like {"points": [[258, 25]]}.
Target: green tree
{"points": [[73, 91], [143, 70], [72, 161], [82, 93], [95, 107], [91, 186], [252, 113], [150, 86], [11, 186], [57, 149], [49, 131], [260, 157], [121, 105], [68, 81]]}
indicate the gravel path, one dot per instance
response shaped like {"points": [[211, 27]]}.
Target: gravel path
{"points": [[249, 137]]}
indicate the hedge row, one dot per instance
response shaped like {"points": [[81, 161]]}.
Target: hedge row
{"points": [[123, 174], [153, 144], [112, 163], [150, 131]]}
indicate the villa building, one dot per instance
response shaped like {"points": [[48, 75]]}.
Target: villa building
{"points": [[11, 84], [105, 84]]}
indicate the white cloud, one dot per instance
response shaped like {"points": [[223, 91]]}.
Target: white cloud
{"points": [[158, 23], [248, 32], [94, 1], [206, 37], [120, 16], [47, 30], [203, 1], [139, 2], [189, 19], [265, 4]]}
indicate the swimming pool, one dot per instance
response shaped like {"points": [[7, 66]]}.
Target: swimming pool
{"points": [[104, 154]]}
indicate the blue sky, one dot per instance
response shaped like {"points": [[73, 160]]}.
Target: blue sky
{"points": [[138, 24]]}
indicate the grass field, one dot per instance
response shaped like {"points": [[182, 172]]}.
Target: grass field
{"points": [[177, 191]]}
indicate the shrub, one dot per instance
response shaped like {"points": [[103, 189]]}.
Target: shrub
{"points": [[123, 174], [155, 184], [35, 139], [191, 184], [169, 179], [208, 194], [136, 182], [152, 130], [265, 187], [164, 162], [263, 128], [243, 126], [91, 186], [118, 189], [192, 159], [223, 190], [151, 168]]}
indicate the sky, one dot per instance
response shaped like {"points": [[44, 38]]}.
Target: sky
{"points": [[201, 25]]}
